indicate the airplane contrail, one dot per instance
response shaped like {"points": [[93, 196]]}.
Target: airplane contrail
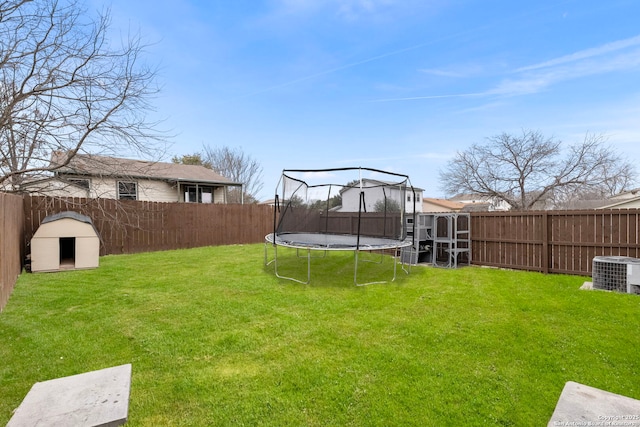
{"points": [[388, 54]]}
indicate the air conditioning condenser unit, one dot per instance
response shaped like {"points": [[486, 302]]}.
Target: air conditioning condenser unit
{"points": [[616, 273]]}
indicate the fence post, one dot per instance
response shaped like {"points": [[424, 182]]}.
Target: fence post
{"points": [[545, 243]]}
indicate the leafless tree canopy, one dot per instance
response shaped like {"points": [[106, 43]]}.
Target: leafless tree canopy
{"points": [[530, 171], [234, 164], [65, 86]]}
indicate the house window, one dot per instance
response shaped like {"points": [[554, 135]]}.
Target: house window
{"points": [[80, 182], [198, 194], [127, 190]]}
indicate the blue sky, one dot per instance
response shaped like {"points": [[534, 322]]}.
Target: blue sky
{"points": [[398, 85]]}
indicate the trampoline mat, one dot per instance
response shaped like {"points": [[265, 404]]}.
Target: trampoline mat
{"points": [[336, 242]]}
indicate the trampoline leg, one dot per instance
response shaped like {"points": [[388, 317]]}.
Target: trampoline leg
{"points": [[395, 267], [402, 263], [355, 269], [308, 266], [266, 261], [355, 272], [275, 261]]}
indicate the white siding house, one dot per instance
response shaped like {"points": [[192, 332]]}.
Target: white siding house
{"points": [[115, 178], [375, 192], [483, 203], [624, 204]]}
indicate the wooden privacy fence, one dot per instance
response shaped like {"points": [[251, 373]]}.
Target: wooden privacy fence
{"points": [[315, 221], [553, 241], [11, 250], [545, 241], [127, 226]]}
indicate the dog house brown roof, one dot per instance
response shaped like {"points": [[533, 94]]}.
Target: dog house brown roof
{"points": [[65, 241]]}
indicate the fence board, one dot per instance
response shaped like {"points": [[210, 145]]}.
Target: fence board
{"points": [[12, 222], [546, 241], [553, 241], [133, 226]]}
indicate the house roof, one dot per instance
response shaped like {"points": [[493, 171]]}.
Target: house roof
{"points": [[627, 203], [448, 204], [379, 183], [630, 194], [92, 165], [476, 207], [469, 198]]}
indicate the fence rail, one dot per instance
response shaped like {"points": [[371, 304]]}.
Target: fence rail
{"points": [[553, 241]]}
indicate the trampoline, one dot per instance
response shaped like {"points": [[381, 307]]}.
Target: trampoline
{"points": [[345, 209]]}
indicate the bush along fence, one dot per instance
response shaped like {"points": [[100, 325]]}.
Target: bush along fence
{"points": [[553, 241], [11, 249]]}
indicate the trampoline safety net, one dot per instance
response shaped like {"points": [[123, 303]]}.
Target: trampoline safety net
{"points": [[348, 208]]}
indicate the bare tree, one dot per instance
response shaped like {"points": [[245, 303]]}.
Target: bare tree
{"points": [[531, 171], [64, 86], [237, 166]]}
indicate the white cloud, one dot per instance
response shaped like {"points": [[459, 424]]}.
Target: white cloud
{"points": [[539, 77], [456, 71], [618, 56], [621, 55], [586, 54], [345, 9], [442, 73], [353, 9], [417, 98]]}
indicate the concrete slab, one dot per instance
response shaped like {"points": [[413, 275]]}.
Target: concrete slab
{"points": [[587, 286], [96, 398], [581, 405]]}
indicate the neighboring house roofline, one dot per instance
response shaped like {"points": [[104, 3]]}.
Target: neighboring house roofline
{"points": [[92, 165], [449, 204], [381, 183], [621, 202], [632, 192], [200, 181]]}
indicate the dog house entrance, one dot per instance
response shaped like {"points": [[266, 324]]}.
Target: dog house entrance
{"points": [[67, 252]]}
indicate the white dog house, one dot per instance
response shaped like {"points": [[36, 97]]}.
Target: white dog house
{"points": [[65, 241]]}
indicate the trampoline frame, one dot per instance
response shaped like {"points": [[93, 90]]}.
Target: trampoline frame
{"points": [[269, 240], [341, 242]]}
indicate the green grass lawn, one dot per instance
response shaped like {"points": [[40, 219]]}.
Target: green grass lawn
{"points": [[216, 339]]}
